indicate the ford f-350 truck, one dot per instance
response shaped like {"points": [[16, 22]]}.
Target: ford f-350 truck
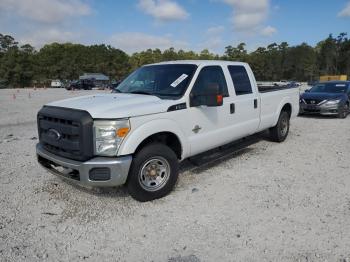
{"points": [[158, 116]]}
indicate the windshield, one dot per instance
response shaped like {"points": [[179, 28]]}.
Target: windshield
{"points": [[329, 88], [170, 80]]}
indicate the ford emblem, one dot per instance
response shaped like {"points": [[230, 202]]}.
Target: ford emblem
{"points": [[54, 134]]}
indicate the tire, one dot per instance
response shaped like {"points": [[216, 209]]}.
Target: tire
{"points": [[345, 111], [153, 173], [280, 131]]}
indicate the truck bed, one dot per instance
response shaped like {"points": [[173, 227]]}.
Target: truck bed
{"points": [[271, 88], [272, 98]]}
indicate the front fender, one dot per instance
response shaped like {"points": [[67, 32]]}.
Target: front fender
{"points": [[137, 136]]}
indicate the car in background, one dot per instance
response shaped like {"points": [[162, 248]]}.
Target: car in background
{"points": [[287, 83], [85, 84], [56, 83], [292, 84], [327, 98], [72, 85], [281, 83], [114, 85]]}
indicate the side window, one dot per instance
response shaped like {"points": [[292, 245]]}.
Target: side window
{"points": [[240, 80], [210, 77]]}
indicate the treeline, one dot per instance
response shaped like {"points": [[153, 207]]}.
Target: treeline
{"points": [[22, 65]]}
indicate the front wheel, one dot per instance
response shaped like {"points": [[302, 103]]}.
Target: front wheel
{"points": [[280, 131], [153, 173], [344, 112]]}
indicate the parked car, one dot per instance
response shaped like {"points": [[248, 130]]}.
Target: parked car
{"points": [[281, 83], [72, 85], [114, 86], [56, 84], [85, 84], [161, 114], [293, 84], [327, 98]]}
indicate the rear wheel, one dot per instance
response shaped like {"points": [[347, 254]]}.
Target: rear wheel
{"points": [[280, 131], [153, 173]]}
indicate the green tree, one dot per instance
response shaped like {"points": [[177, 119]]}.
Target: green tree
{"points": [[238, 53], [21, 66]]}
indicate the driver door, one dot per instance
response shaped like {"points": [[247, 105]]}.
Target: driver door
{"points": [[207, 124]]}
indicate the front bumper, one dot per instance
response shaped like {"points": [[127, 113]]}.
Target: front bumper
{"points": [[319, 109], [96, 172]]}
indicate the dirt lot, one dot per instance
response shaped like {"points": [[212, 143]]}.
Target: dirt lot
{"points": [[261, 201]]}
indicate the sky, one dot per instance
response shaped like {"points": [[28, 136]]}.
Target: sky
{"points": [[137, 25]]}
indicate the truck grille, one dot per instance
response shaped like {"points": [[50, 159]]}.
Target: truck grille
{"points": [[66, 132]]}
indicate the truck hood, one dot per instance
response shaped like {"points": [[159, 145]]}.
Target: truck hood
{"points": [[116, 105]]}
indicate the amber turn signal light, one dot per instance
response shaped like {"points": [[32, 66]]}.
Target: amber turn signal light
{"points": [[122, 132]]}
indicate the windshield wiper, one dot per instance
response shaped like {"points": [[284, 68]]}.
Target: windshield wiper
{"points": [[162, 94], [141, 92]]}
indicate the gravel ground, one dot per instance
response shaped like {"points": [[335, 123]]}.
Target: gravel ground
{"points": [[255, 201]]}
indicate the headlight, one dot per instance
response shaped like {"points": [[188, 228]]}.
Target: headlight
{"points": [[108, 135], [332, 102], [301, 100]]}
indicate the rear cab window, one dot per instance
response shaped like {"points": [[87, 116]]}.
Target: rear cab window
{"points": [[240, 79]]}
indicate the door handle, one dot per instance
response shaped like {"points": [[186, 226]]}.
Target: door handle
{"points": [[232, 108], [255, 103]]}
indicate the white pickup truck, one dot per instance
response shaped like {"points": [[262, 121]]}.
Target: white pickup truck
{"points": [[158, 116]]}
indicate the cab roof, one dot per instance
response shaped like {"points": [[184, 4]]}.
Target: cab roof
{"points": [[201, 62]]}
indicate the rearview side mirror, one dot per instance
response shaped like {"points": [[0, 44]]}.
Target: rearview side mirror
{"points": [[208, 98]]}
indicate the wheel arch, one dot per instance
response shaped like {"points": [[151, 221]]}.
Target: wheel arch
{"points": [[166, 138], [288, 108], [285, 105], [169, 134]]}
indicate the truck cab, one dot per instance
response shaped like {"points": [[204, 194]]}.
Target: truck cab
{"points": [[158, 116]]}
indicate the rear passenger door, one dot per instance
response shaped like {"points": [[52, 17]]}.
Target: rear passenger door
{"points": [[246, 101]]}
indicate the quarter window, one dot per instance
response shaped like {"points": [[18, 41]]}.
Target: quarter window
{"points": [[240, 80]]}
